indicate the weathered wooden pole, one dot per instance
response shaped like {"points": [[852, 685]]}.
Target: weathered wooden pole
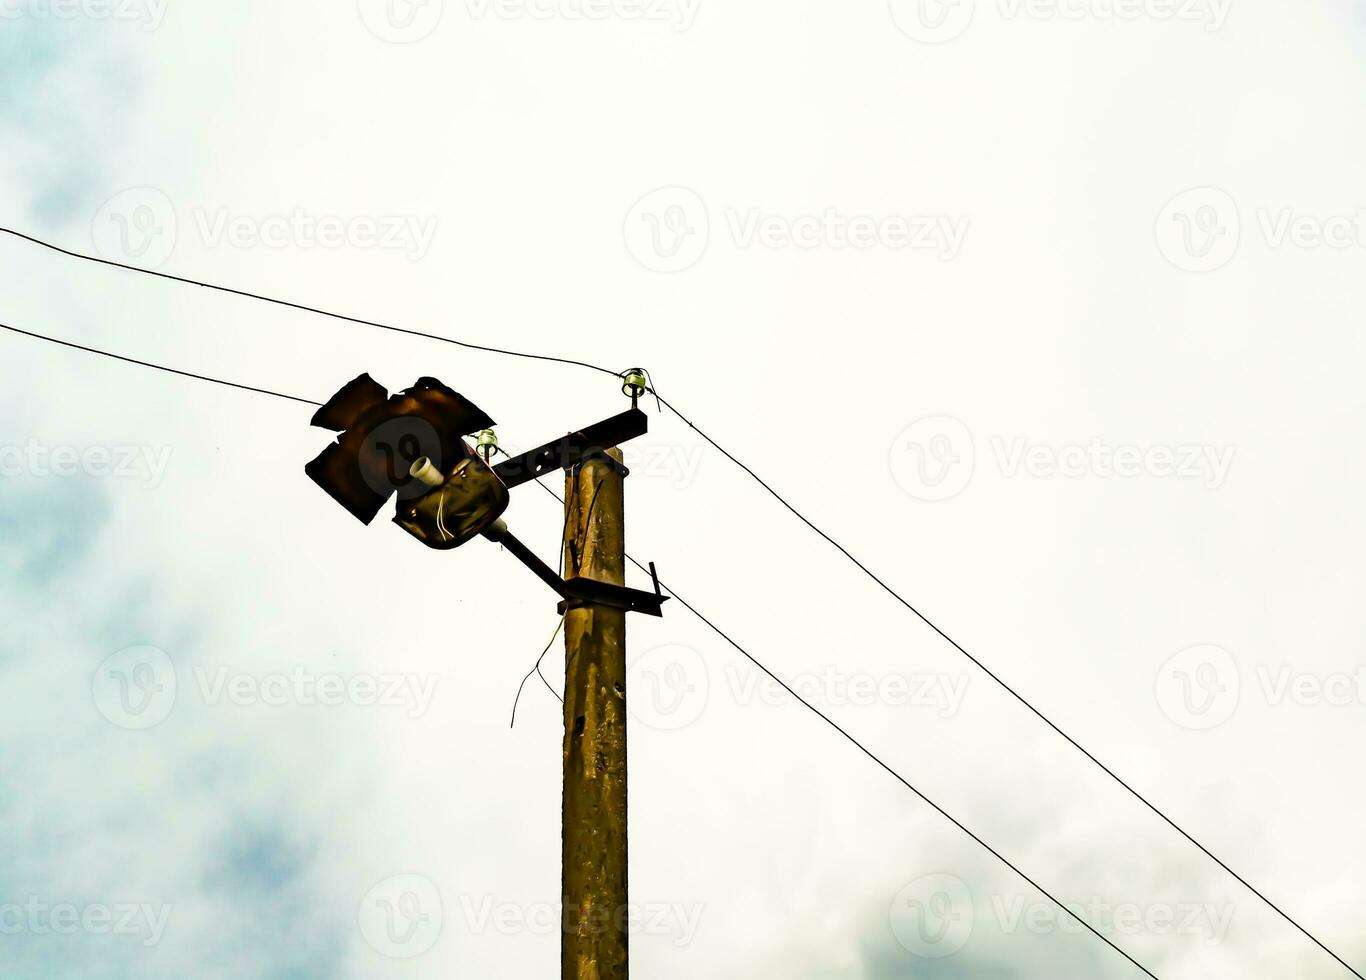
{"points": [[595, 941]]}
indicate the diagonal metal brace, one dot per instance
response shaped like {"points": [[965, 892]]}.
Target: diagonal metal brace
{"points": [[581, 591]]}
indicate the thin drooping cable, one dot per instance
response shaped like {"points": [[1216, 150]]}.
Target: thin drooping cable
{"points": [[537, 670], [753, 475], [876, 758], [1013, 693], [157, 367], [686, 605], [574, 551], [301, 306]]}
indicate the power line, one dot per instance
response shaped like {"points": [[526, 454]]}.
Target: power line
{"points": [[300, 306], [692, 609], [157, 367], [774, 493], [1009, 689], [875, 757]]}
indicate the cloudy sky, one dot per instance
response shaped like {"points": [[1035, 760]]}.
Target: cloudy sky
{"points": [[1047, 310]]}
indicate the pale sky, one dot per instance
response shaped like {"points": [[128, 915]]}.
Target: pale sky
{"points": [[1046, 310]]}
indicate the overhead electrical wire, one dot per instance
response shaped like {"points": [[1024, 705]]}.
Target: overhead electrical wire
{"points": [[874, 756], [300, 306], [878, 580], [692, 609], [157, 367]]}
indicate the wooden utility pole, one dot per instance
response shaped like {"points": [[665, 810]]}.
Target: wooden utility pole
{"points": [[595, 939]]}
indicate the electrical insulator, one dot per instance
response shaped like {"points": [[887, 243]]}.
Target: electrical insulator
{"points": [[634, 383], [488, 444]]}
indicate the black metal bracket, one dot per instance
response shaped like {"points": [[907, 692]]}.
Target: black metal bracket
{"points": [[571, 449], [580, 591]]}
